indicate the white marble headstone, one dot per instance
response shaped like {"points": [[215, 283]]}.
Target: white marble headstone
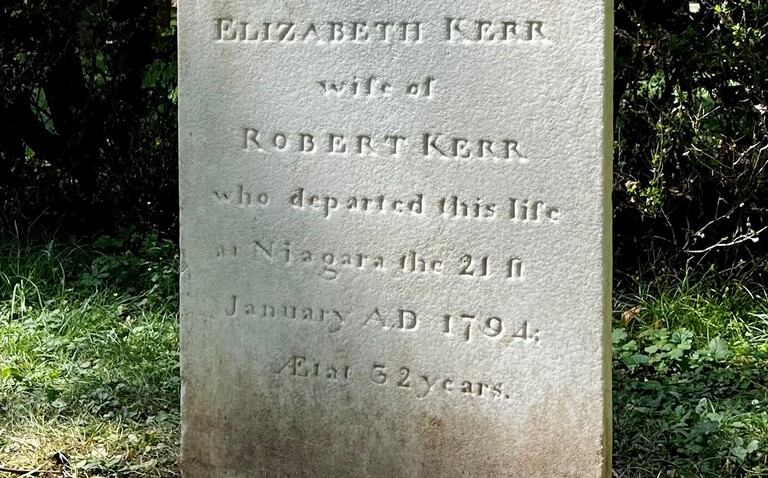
{"points": [[395, 231]]}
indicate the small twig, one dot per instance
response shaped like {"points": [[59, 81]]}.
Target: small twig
{"points": [[751, 236], [29, 472]]}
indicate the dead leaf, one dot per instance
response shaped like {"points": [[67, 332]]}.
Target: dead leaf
{"points": [[630, 314]]}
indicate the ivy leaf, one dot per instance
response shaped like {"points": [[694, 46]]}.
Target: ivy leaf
{"points": [[652, 349], [618, 335], [681, 336], [635, 359], [718, 348]]}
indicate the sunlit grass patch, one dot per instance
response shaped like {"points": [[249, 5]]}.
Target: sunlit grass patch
{"points": [[89, 358], [690, 380], [89, 447]]}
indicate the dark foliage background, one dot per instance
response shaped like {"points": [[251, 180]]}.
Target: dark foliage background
{"points": [[88, 127], [88, 115], [691, 137]]}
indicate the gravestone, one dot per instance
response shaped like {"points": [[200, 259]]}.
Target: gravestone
{"points": [[395, 232]]}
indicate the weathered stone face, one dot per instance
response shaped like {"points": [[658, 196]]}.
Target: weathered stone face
{"points": [[395, 238]]}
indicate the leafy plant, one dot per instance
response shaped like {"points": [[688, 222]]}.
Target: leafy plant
{"points": [[690, 392]]}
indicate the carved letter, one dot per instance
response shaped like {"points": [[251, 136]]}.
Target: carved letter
{"points": [[232, 309], [251, 140]]}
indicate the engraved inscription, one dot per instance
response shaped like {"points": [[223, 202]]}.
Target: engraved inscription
{"points": [[333, 318], [402, 320], [329, 264], [326, 264], [318, 33], [463, 326], [444, 146], [430, 145], [481, 267], [303, 367], [400, 377], [374, 87], [408, 380], [241, 197], [357, 88], [526, 210], [362, 145], [226, 250], [415, 262], [468, 326], [479, 31], [325, 205], [460, 30], [454, 207]]}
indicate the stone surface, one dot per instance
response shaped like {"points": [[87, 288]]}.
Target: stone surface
{"points": [[395, 238]]}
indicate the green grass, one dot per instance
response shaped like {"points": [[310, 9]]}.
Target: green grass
{"points": [[89, 381], [89, 358], [691, 380]]}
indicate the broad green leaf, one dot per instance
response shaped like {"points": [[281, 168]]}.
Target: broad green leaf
{"points": [[718, 348]]}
